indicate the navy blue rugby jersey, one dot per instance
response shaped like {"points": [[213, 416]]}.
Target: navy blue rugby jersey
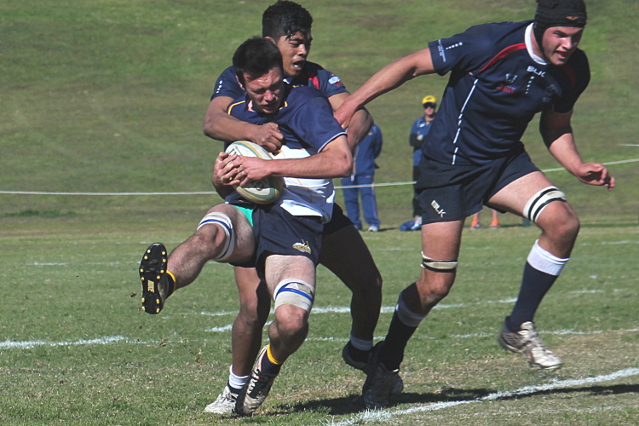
{"points": [[496, 85], [305, 118], [307, 123], [312, 75]]}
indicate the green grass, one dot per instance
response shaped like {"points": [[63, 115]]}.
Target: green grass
{"points": [[109, 96], [70, 285]]}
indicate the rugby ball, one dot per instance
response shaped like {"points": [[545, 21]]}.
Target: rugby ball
{"points": [[265, 190]]}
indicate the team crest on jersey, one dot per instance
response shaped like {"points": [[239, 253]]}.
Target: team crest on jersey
{"points": [[335, 81], [303, 247]]}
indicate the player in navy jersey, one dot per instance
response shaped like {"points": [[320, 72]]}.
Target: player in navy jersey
{"points": [[282, 240], [344, 252], [501, 75]]}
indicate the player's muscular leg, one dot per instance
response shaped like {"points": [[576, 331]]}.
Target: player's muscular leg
{"points": [[345, 254], [558, 222], [441, 242], [290, 327], [188, 259], [255, 304]]}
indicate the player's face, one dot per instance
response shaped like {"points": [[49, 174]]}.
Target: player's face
{"points": [[295, 50], [265, 91], [560, 42]]}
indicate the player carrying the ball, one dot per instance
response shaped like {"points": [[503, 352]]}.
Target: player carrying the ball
{"points": [[281, 240], [288, 25]]}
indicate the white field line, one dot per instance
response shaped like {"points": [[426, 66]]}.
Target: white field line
{"points": [[385, 415], [29, 344], [10, 344]]}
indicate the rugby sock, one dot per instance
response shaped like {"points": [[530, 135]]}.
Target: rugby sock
{"points": [[541, 270], [402, 327], [170, 281], [269, 364], [236, 383], [359, 349]]}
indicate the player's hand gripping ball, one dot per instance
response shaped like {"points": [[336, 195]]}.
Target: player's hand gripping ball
{"points": [[265, 190]]}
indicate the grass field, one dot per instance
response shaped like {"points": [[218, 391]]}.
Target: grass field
{"points": [[108, 96], [75, 349]]}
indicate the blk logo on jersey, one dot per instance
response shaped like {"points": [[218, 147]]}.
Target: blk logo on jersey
{"points": [[534, 70]]}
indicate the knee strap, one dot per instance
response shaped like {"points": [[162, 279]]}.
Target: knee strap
{"points": [[217, 218], [294, 292], [540, 200], [438, 265]]}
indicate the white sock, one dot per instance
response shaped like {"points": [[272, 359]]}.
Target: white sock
{"points": [[235, 381], [361, 344]]}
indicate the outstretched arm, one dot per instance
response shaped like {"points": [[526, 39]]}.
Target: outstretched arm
{"points": [[220, 125], [556, 132], [388, 78], [360, 124]]}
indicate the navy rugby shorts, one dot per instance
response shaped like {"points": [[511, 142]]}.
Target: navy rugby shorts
{"points": [[338, 221], [448, 193], [276, 231]]}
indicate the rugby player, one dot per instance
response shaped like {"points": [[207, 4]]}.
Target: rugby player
{"points": [[501, 75], [281, 240], [288, 26]]}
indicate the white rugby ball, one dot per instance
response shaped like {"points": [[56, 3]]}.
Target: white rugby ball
{"points": [[265, 190]]}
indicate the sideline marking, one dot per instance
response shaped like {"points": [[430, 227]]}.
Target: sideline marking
{"points": [[385, 415]]}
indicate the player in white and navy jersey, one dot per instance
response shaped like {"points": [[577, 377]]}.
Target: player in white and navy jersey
{"points": [[281, 240], [501, 75], [344, 252], [307, 124]]}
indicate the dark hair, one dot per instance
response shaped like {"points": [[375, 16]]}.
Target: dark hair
{"points": [[286, 18], [256, 57]]}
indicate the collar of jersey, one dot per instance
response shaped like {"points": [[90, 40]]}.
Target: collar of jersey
{"points": [[529, 46]]}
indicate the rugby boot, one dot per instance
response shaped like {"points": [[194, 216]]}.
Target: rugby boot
{"points": [[398, 384], [379, 382], [528, 343], [155, 286], [256, 390], [224, 404]]}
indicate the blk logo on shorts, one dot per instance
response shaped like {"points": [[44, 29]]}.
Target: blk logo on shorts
{"points": [[438, 209]]}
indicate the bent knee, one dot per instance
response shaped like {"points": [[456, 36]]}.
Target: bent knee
{"points": [[290, 319], [560, 221], [434, 290]]}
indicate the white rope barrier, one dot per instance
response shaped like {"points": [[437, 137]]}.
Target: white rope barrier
{"points": [[374, 185]]}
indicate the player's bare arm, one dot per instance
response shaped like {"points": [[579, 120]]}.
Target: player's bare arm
{"points": [[388, 78], [333, 161], [556, 131], [221, 126], [360, 124]]}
